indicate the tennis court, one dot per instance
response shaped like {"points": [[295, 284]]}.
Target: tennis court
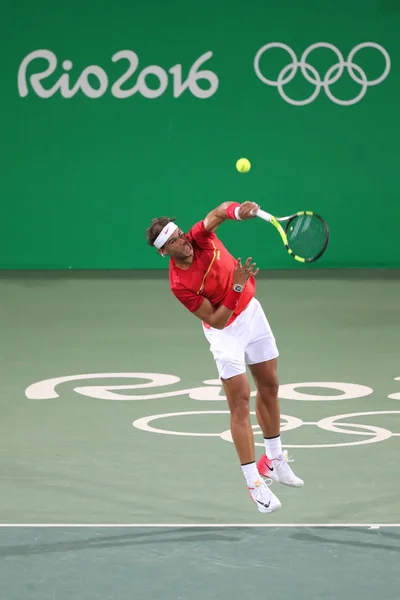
{"points": [[119, 478], [118, 475]]}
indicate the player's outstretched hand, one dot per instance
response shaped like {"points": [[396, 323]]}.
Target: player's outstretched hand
{"points": [[242, 273], [245, 210]]}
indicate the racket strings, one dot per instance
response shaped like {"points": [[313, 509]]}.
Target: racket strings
{"points": [[307, 235]]}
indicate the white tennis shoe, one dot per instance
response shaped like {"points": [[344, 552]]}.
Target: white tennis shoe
{"points": [[266, 501], [279, 470]]}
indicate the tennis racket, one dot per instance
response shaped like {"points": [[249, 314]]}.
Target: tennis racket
{"points": [[306, 234]]}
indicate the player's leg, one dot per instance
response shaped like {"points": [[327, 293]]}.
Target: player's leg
{"points": [[227, 347], [237, 391], [267, 404], [261, 357], [274, 462]]}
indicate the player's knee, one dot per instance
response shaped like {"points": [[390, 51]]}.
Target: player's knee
{"points": [[240, 412], [239, 404], [269, 390]]}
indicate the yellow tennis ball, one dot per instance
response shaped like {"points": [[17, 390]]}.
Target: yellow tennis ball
{"points": [[243, 165]]}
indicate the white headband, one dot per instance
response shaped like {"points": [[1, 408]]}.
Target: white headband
{"points": [[165, 234]]}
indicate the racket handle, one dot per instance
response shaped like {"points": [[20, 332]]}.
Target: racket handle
{"points": [[263, 215]]}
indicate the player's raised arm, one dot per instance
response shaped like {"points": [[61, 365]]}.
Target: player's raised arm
{"points": [[229, 210]]}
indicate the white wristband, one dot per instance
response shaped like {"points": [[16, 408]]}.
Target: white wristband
{"points": [[236, 211]]}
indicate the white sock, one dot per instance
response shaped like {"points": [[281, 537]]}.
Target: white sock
{"points": [[273, 447], [251, 473]]}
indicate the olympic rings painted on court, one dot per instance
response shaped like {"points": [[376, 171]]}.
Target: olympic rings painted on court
{"points": [[370, 433], [287, 391], [288, 424], [395, 396], [356, 73], [143, 423]]}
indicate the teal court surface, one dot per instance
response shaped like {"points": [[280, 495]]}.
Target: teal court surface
{"points": [[118, 474]]}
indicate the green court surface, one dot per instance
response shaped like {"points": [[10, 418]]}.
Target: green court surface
{"points": [[112, 415], [195, 563]]}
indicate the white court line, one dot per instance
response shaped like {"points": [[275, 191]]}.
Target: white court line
{"points": [[194, 525]]}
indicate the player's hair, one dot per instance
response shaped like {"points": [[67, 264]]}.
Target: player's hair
{"points": [[156, 226]]}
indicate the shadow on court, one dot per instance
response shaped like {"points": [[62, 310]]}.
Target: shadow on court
{"points": [[349, 537], [357, 538], [190, 563], [133, 538]]}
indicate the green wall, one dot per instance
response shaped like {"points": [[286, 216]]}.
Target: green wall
{"points": [[82, 176]]}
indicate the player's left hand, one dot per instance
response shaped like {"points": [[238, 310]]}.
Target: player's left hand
{"points": [[245, 210]]}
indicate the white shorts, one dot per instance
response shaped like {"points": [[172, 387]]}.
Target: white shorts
{"points": [[247, 341]]}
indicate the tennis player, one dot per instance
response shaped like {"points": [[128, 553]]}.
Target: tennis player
{"points": [[220, 291]]}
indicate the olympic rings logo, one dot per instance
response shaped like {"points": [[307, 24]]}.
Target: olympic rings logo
{"points": [[312, 76], [366, 434]]}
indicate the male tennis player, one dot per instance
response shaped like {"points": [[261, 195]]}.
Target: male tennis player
{"points": [[220, 291]]}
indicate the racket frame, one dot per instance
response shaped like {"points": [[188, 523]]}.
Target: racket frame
{"points": [[276, 222]]}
